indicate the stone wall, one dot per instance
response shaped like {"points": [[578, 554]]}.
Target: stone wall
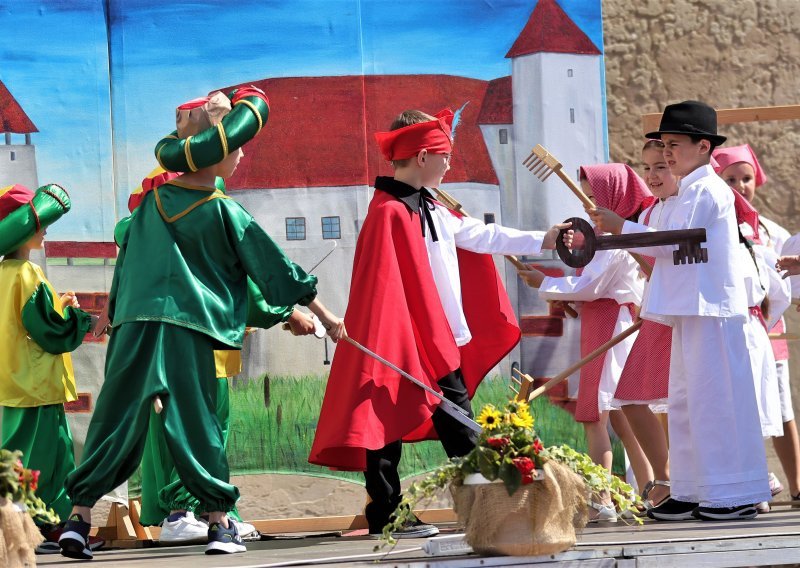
{"points": [[730, 54]]}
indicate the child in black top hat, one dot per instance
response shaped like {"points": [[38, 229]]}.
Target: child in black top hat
{"points": [[717, 461]]}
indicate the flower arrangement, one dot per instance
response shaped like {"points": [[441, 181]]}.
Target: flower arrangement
{"points": [[509, 449], [19, 485]]}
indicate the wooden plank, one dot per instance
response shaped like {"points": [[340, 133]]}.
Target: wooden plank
{"points": [[651, 122], [341, 523]]}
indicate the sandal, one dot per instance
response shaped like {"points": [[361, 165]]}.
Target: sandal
{"points": [[648, 503]]}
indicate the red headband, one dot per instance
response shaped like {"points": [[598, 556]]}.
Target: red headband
{"points": [[433, 136]]}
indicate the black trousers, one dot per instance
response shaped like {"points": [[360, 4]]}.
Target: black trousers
{"points": [[382, 478]]}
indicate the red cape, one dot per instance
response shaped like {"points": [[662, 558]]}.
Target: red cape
{"points": [[394, 310]]}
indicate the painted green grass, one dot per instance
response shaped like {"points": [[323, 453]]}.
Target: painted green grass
{"points": [[277, 438]]}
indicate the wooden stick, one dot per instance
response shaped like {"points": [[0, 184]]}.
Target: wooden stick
{"points": [[564, 375], [651, 122], [786, 336]]}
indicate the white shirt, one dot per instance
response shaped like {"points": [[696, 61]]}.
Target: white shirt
{"points": [[610, 274], [714, 288], [472, 235], [792, 247], [774, 236]]}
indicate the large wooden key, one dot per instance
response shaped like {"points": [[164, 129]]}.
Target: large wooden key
{"points": [[688, 241]]}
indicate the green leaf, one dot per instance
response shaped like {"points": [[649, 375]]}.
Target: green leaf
{"points": [[511, 477], [487, 462]]}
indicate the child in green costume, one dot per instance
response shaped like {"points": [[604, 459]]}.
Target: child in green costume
{"points": [[179, 293], [39, 330]]}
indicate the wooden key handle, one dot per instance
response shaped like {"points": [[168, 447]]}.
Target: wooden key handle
{"points": [[577, 258]]}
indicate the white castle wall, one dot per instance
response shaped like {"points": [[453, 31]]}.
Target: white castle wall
{"points": [[18, 165], [558, 102]]}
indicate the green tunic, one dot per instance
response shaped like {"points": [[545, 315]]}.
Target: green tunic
{"points": [[179, 292]]}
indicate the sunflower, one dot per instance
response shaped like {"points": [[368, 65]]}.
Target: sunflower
{"points": [[522, 419], [489, 418]]}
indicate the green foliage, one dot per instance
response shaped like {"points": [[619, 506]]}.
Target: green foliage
{"points": [[19, 485]]}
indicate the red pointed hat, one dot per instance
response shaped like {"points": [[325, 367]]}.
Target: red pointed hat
{"points": [[432, 135]]}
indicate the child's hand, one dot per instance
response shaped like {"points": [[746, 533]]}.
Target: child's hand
{"points": [[532, 276], [300, 323], [69, 300], [549, 241], [791, 264], [335, 327], [606, 220]]}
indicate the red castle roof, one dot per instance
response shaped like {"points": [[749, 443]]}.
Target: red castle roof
{"points": [[498, 105], [550, 30], [12, 117], [320, 129]]}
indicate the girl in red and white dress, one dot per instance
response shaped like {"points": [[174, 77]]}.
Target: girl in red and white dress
{"points": [[739, 167], [643, 385], [608, 288]]}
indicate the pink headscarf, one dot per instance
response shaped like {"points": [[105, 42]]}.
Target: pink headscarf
{"points": [[745, 212], [617, 187], [735, 154]]}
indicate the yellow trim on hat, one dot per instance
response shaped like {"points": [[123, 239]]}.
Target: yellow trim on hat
{"points": [[223, 139], [188, 152], [4, 190], [255, 111], [158, 152], [216, 195]]}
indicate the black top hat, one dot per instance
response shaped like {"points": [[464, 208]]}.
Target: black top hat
{"points": [[689, 117]]}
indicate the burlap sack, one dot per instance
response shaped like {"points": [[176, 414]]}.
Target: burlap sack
{"points": [[540, 518], [18, 537]]}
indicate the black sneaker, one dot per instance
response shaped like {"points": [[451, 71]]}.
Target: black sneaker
{"points": [[673, 510], [74, 539], [416, 529], [224, 541], [742, 512]]}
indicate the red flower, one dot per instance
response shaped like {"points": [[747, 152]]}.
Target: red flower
{"points": [[537, 446], [498, 442], [527, 478], [35, 479], [524, 465]]}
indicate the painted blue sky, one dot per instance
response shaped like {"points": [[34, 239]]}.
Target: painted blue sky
{"points": [[54, 60]]}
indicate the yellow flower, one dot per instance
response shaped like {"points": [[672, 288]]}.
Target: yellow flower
{"points": [[522, 419], [489, 418]]}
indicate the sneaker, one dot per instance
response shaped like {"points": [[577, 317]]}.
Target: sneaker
{"points": [[417, 529], [224, 541], [605, 513], [673, 510], [775, 486], [52, 533], [763, 507], [74, 539], [741, 512], [183, 528], [247, 531]]}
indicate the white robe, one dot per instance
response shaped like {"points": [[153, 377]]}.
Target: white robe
{"points": [[717, 454]]}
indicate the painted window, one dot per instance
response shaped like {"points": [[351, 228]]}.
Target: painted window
{"points": [[331, 228], [13, 156], [504, 136], [572, 115], [569, 72], [488, 218], [295, 228]]}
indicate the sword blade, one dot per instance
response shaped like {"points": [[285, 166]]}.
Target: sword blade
{"points": [[448, 406]]}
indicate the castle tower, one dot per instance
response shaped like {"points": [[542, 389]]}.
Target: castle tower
{"points": [[558, 102], [17, 156]]}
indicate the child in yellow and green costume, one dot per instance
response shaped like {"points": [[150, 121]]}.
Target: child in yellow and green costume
{"points": [[38, 330], [180, 292]]}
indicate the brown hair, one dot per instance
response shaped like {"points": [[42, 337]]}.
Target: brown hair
{"points": [[407, 118], [653, 144]]}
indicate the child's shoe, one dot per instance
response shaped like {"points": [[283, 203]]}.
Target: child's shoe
{"points": [[775, 486], [224, 541], [412, 529], [673, 510], [74, 539], [182, 528], [742, 512], [602, 513]]}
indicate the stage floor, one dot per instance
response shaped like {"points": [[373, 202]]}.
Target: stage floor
{"points": [[769, 540]]}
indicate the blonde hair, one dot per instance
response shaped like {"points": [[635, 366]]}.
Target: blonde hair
{"points": [[407, 118]]}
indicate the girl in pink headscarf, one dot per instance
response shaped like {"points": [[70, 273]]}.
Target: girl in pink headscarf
{"points": [[741, 170], [608, 288]]}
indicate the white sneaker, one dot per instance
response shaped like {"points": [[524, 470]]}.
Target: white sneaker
{"points": [[775, 486], [247, 531], [187, 529], [605, 513]]}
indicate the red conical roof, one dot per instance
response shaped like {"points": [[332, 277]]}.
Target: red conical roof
{"points": [[550, 30], [12, 117]]}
